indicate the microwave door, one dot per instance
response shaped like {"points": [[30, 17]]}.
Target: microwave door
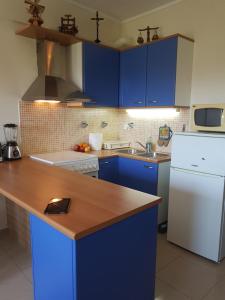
{"points": [[208, 117]]}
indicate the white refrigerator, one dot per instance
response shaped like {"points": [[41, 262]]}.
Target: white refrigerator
{"points": [[196, 198]]}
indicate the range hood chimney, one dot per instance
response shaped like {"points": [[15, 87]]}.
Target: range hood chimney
{"points": [[53, 83]]}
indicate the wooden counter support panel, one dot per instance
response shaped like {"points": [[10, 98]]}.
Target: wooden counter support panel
{"points": [[117, 262]]}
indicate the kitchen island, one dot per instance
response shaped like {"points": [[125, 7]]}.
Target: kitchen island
{"points": [[104, 248]]}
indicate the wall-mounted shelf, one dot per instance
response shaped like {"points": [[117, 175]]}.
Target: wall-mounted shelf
{"points": [[41, 33]]}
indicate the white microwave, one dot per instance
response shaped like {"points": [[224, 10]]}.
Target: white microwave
{"points": [[208, 117]]}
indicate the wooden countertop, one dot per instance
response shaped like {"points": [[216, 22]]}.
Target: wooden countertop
{"points": [[95, 204], [113, 153]]}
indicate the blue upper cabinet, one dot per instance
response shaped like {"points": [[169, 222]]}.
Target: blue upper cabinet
{"points": [[133, 67], [169, 72], [161, 73], [101, 75]]}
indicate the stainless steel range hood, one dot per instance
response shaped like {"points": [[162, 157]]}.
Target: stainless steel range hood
{"points": [[54, 82]]}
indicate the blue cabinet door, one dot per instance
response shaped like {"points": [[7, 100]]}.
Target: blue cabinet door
{"points": [[53, 258], [133, 67], [161, 72], [138, 175], [101, 75], [108, 169]]}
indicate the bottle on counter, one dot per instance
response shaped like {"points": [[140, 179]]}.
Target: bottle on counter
{"points": [[149, 145]]}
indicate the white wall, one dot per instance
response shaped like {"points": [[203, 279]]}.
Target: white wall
{"points": [[18, 55], [203, 20]]}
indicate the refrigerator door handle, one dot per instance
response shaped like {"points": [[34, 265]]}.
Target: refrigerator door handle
{"points": [[196, 173]]}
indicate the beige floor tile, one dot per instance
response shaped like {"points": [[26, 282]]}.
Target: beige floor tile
{"points": [[13, 285], [192, 279], [218, 292], [166, 253], [28, 274], [166, 292], [219, 268], [20, 256]]}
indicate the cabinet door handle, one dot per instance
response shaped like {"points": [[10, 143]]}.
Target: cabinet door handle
{"points": [[106, 162], [154, 101], [138, 102], [148, 167]]}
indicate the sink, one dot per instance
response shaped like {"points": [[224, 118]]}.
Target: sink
{"points": [[140, 153], [130, 151], [153, 155]]}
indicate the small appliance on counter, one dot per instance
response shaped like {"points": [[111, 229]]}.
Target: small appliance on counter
{"points": [[111, 145], [95, 141], [11, 150]]}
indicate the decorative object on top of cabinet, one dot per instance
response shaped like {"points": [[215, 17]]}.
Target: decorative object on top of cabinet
{"points": [[97, 19], [104, 124], [35, 9], [148, 29], [68, 25], [165, 135], [155, 35], [140, 39]]}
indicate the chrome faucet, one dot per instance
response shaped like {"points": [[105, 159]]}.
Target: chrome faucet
{"points": [[147, 148]]}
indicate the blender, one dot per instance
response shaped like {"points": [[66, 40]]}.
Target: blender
{"points": [[11, 150]]}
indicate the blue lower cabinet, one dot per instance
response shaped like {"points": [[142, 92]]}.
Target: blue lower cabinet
{"points": [[108, 169], [117, 262], [138, 175]]}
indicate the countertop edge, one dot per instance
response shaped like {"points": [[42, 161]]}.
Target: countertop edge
{"points": [[104, 155], [118, 219], [85, 233]]}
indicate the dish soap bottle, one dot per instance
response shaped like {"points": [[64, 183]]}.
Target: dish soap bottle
{"points": [[149, 145]]}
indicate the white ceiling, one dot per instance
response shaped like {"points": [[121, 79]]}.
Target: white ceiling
{"points": [[123, 9]]}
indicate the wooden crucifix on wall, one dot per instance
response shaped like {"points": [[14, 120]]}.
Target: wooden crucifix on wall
{"points": [[97, 19]]}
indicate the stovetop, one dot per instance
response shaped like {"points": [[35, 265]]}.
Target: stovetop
{"points": [[64, 157]]}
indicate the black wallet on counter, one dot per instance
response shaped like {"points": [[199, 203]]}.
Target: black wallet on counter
{"points": [[58, 206]]}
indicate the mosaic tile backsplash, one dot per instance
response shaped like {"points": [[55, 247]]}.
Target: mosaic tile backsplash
{"points": [[49, 128]]}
